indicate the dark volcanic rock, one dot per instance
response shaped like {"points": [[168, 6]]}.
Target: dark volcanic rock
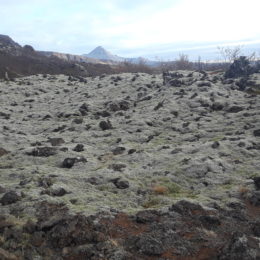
{"points": [[46, 117], [78, 120], [84, 109], [131, 151], [118, 150], [256, 228], [105, 125], [117, 166], [235, 109], [10, 198], [204, 84], [147, 216], [215, 145], [257, 132], [172, 79], [150, 246], [59, 128], [176, 150], [94, 180], [57, 192], [79, 148], [242, 83], [4, 115], [175, 83], [186, 207], [119, 105], [257, 182], [255, 198], [43, 151], [217, 106], [186, 231], [77, 230], [255, 146], [45, 182], [103, 113], [3, 152], [64, 149], [239, 249], [209, 221], [121, 184], [69, 162]]}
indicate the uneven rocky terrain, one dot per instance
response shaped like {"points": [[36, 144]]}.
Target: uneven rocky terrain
{"points": [[130, 166]]}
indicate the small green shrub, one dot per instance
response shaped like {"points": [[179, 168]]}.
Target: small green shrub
{"points": [[173, 188], [152, 202]]}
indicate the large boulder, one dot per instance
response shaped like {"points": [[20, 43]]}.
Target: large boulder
{"points": [[69, 162], [10, 198], [118, 105], [105, 125], [3, 152]]}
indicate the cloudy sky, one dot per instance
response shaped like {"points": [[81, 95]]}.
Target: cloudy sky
{"points": [[131, 27]]}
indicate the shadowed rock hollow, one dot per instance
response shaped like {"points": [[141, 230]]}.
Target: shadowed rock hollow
{"points": [[130, 166]]}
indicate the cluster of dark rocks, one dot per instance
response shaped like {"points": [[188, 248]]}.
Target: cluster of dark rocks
{"points": [[183, 231]]}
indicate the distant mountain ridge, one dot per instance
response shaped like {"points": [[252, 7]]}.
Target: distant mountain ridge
{"points": [[9, 46], [6, 43], [97, 56], [101, 53], [69, 57], [16, 61]]}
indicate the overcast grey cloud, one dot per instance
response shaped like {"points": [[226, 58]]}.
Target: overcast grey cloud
{"points": [[130, 28]]}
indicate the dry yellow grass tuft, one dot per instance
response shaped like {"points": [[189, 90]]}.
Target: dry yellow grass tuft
{"points": [[159, 189]]}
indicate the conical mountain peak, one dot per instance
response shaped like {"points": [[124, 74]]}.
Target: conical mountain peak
{"points": [[102, 54]]}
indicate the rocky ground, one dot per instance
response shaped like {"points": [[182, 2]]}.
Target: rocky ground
{"points": [[130, 166]]}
